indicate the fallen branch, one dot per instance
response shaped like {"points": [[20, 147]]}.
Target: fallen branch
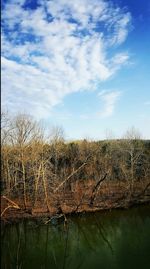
{"points": [[143, 191], [95, 189], [10, 201], [72, 174], [13, 205], [55, 217], [5, 210]]}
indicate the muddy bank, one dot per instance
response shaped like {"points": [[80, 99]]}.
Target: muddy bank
{"points": [[80, 198]]}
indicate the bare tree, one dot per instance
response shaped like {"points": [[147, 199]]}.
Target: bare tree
{"points": [[132, 149]]}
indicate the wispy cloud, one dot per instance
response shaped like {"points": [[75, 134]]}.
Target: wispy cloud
{"points": [[107, 102], [109, 99], [58, 48]]}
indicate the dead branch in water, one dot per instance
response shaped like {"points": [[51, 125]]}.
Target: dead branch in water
{"points": [[56, 217]]}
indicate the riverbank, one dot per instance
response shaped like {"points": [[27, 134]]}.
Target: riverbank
{"points": [[80, 198]]}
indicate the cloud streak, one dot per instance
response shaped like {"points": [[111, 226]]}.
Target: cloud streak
{"points": [[58, 48], [109, 99]]}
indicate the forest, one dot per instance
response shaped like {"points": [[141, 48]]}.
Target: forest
{"points": [[42, 173]]}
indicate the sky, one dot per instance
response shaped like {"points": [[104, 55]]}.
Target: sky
{"points": [[83, 65]]}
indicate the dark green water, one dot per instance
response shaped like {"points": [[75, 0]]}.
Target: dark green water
{"points": [[116, 239]]}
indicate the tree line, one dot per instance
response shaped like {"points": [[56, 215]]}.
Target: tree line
{"points": [[35, 164]]}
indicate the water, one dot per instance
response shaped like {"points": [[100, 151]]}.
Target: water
{"points": [[118, 239]]}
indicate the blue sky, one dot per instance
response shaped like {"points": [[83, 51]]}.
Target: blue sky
{"points": [[83, 65]]}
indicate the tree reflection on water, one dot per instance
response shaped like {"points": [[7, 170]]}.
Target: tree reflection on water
{"points": [[117, 239]]}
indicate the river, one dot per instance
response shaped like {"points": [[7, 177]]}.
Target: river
{"points": [[117, 239]]}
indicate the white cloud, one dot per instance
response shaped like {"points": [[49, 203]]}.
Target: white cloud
{"points": [[57, 49], [109, 99]]}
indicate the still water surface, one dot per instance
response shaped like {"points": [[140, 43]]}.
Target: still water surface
{"points": [[119, 239]]}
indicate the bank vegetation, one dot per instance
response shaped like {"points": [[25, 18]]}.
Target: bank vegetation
{"points": [[41, 173]]}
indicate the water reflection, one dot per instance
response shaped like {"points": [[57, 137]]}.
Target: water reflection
{"points": [[117, 239]]}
